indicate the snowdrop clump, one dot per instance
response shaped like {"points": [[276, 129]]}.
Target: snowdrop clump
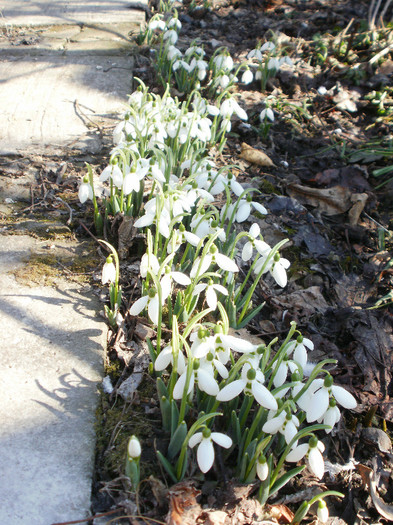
{"points": [[263, 64], [262, 403]]}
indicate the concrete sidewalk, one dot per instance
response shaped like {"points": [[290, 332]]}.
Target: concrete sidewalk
{"points": [[52, 361], [65, 73]]}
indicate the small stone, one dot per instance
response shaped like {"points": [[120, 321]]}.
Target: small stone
{"points": [[143, 331]]}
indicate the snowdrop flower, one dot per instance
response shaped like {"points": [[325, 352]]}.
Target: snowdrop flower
{"points": [[173, 52], [166, 358], [157, 24], [266, 113], [322, 511], [205, 452], [261, 246], [223, 62], [251, 383], [331, 416], [313, 449], [171, 36], [114, 172], [262, 468], [285, 61], [273, 63], [277, 268], [201, 266], [174, 22], [108, 271], [149, 262], [230, 106], [285, 424], [224, 81], [320, 391], [151, 301], [211, 295], [255, 53], [299, 349], [247, 77], [245, 208], [85, 191], [268, 46], [134, 448]]}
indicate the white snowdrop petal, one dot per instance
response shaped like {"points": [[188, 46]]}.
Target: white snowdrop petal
{"points": [[260, 208], [221, 439], [221, 289], [255, 230], [191, 238], [243, 212], [163, 359], [315, 460], [231, 391], [211, 298], [290, 431], [195, 439], [318, 405], [279, 274], [225, 263], [181, 278], [263, 396], [145, 220], [221, 369], [153, 309], [247, 251], [205, 455], [280, 374], [343, 397], [273, 425], [300, 355], [262, 470], [139, 305], [297, 453], [236, 187], [207, 382], [237, 344]]}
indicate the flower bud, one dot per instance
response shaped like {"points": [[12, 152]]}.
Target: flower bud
{"points": [[134, 447]]}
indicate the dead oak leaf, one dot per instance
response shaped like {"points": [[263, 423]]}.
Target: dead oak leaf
{"points": [[255, 156], [368, 478], [330, 201]]}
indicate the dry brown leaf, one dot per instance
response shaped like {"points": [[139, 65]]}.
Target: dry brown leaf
{"points": [[183, 506], [281, 513], [359, 200], [331, 201], [368, 477], [243, 333], [255, 156], [215, 517]]}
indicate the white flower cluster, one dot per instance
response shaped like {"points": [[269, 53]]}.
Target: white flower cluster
{"points": [[272, 400]]}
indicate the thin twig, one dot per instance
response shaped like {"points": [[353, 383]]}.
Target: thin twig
{"points": [[69, 209]]}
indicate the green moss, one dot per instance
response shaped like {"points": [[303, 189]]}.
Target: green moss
{"points": [[45, 269], [268, 187], [115, 423]]}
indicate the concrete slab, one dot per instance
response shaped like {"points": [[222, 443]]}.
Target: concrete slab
{"points": [[52, 103], [52, 359], [52, 12]]}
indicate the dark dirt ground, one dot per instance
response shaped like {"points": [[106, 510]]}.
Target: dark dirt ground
{"points": [[321, 193]]}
